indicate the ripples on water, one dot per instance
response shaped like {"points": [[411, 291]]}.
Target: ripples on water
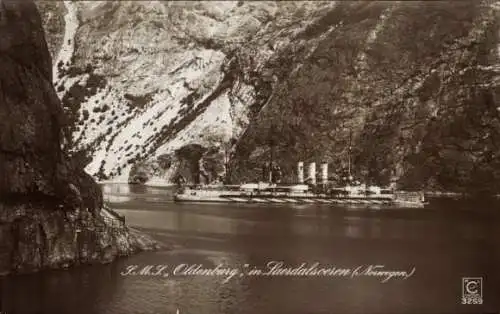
{"points": [[444, 242]]}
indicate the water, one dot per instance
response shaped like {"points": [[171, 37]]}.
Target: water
{"points": [[443, 243]]}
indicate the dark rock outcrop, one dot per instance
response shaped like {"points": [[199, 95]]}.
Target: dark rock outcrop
{"points": [[50, 209], [33, 238], [193, 162], [30, 112]]}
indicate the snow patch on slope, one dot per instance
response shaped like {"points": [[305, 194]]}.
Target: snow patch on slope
{"points": [[225, 118], [215, 120], [130, 133], [68, 46]]}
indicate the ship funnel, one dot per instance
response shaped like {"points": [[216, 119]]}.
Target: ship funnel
{"points": [[312, 172], [324, 173], [300, 172]]}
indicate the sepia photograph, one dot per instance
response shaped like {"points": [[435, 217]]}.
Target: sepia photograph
{"points": [[249, 157]]}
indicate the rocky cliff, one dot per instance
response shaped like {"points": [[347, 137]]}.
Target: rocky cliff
{"points": [[413, 85], [140, 80], [50, 209]]}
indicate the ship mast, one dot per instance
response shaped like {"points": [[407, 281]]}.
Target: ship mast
{"points": [[271, 166], [271, 154], [349, 155]]}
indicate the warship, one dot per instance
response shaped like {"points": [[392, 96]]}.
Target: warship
{"points": [[273, 192], [303, 191]]}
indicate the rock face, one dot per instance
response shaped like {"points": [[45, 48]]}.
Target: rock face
{"points": [[146, 78], [48, 204], [31, 115], [35, 238], [413, 85]]}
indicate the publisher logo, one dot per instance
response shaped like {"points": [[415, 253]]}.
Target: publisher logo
{"points": [[472, 290]]}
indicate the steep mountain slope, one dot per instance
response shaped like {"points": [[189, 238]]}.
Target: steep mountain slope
{"points": [[142, 79], [416, 84]]}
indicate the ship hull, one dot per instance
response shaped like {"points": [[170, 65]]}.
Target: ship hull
{"points": [[278, 199]]}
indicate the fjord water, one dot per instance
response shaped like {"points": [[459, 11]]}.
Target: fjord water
{"points": [[445, 242]]}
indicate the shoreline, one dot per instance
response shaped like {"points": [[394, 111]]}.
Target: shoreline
{"points": [[431, 194], [155, 183]]}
